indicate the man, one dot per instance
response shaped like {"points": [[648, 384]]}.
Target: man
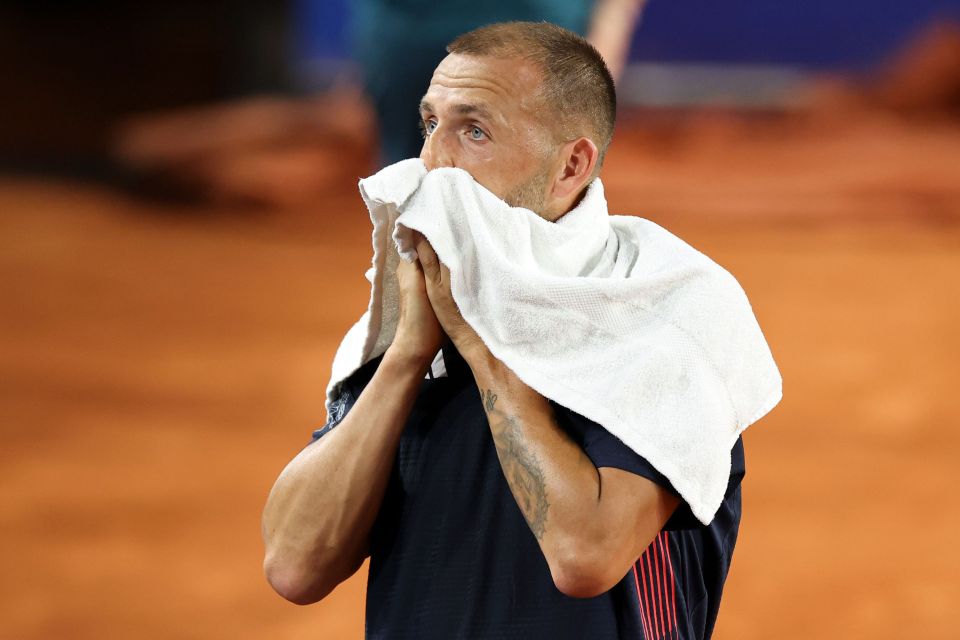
{"points": [[488, 511]]}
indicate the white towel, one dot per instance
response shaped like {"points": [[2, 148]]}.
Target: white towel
{"points": [[610, 316]]}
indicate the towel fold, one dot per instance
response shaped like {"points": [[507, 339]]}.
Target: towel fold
{"points": [[611, 316]]}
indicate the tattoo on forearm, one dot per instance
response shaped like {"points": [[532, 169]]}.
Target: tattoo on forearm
{"points": [[489, 400], [520, 465]]}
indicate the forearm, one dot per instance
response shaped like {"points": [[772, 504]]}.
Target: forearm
{"points": [[591, 523], [556, 486], [318, 516]]}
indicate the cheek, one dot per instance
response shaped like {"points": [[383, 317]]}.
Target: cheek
{"points": [[485, 165], [502, 165]]}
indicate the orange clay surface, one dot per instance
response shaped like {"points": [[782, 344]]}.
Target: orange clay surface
{"points": [[160, 364]]}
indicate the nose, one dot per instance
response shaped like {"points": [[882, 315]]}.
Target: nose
{"points": [[437, 151]]}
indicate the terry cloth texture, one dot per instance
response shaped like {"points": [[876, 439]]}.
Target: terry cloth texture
{"points": [[610, 316]]}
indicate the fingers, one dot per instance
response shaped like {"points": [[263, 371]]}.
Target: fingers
{"points": [[445, 275], [407, 270], [428, 258]]}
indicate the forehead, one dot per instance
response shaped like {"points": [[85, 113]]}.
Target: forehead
{"points": [[501, 85]]}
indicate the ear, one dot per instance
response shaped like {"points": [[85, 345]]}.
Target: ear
{"points": [[578, 159]]}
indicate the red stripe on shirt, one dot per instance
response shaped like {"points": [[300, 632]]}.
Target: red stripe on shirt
{"points": [[671, 620], [644, 571], [657, 575], [643, 616], [655, 616], [661, 592]]}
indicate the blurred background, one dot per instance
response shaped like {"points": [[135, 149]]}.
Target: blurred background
{"points": [[182, 247]]}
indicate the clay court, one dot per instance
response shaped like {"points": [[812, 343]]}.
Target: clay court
{"points": [[160, 363]]}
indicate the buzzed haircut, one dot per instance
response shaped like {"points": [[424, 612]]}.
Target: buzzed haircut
{"points": [[576, 83]]}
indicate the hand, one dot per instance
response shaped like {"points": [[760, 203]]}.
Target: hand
{"points": [[419, 334], [437, 280]]}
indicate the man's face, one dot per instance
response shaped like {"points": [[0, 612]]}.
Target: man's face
{"points": [[484, 115]]}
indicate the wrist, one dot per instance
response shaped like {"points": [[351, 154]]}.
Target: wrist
{"points": [[409, 356], [483, 364], [492, 373]]}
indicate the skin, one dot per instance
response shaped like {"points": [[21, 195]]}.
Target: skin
{"points": [[611, 29], [483, 115]]}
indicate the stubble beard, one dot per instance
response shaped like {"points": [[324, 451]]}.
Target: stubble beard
{"points": [[530, 194]]}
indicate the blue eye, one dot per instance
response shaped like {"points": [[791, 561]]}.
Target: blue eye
{"points": [[427, 127], [476, 133]]}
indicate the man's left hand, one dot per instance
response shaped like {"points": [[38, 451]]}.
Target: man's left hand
{"points": [[437, 279]]}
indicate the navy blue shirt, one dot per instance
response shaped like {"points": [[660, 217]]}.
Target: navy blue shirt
{"points": [[451, 555]]}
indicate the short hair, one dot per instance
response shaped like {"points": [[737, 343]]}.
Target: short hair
{"points": [[576, 82]]}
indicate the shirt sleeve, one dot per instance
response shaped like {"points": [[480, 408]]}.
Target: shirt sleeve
{"points": [[606, 450], [350, 390]]}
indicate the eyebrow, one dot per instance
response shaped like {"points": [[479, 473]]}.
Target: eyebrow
{"points": [[463, 109]]}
